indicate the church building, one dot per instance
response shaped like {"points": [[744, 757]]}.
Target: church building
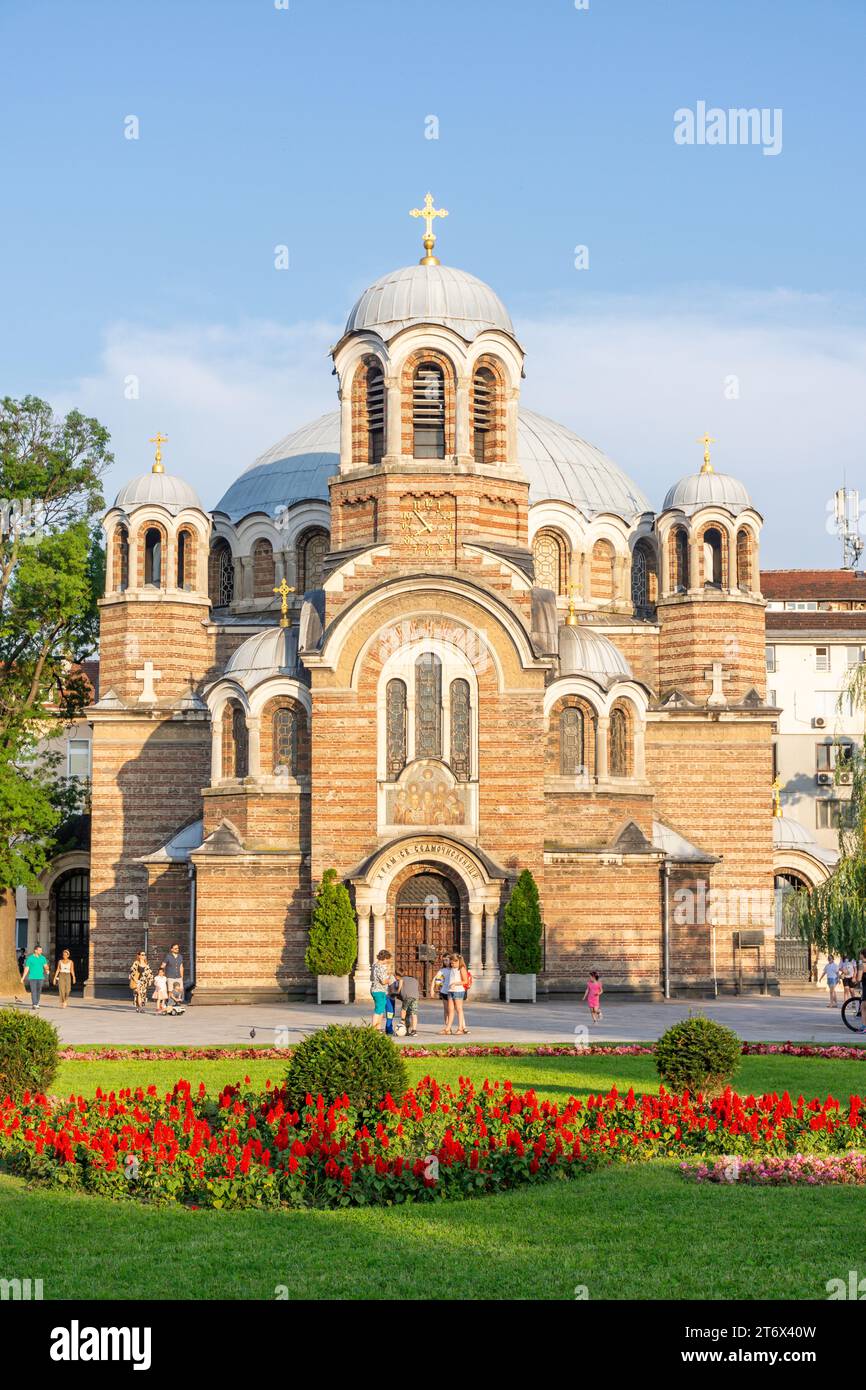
{"points": [[430, 640]]}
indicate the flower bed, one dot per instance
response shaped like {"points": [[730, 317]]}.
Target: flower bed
{"points": [[243, 1148], [263, 1054], [808, 1169]]}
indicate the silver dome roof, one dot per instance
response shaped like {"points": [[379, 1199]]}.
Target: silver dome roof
{"points": [[583, 652], [162, 489], [792, 834], [557, 463], [429, 294], [270, 653], [708, 489]]}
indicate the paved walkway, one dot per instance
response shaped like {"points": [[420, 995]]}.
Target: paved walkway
{"points": [[795, 1018]]}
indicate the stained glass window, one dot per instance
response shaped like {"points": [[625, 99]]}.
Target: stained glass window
{"points": [[618, 744], [285, 743], [428, 706], [639, 580], [395, 713], [222, 575], [460, 730], [314, 548], [571, 743], [548, 554]]}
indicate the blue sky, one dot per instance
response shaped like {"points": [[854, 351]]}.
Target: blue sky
{"points": [[306, 126]]}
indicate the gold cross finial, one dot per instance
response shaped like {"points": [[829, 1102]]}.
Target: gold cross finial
{"points": [[706, 441], [777, 797], [158, 440], [283, 590], [428, 212]]}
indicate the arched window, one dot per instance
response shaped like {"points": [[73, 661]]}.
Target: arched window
{"points": [[153, 557], [185, 560], [240, 744], [618, 756], [680, 560], [428, 412], [263, 569], [712, 558], [643, 580], [744, 560], [550, 561], [312, 549], [221, 575], [461, 730], [121, 559], [375, 413], [602, 573], [483, 414], [395, 719], [428, 706], [572, 761], [284, 743]]}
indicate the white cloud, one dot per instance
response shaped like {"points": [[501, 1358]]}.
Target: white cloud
{"points": [[641, 378]]}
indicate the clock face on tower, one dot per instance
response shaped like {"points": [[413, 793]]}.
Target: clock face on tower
{"points": [[427, 526]]}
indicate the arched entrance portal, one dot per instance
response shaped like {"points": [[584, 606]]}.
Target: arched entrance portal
{"points": [[793, 955], [71, 895], [426, 923]]}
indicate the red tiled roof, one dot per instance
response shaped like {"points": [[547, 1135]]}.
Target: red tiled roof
{"points": [[852, 623], [806, 586]]}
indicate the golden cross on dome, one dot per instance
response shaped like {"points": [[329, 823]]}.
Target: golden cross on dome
{"points": [[571, 616], [428, 212], [706, 441], [158, 439], [777, 797], [284, 590]]}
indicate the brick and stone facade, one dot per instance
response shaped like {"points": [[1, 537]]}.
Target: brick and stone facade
{"points": [[422, 714]]}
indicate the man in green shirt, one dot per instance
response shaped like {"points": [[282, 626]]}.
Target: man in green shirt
{"points": [[35, 969]]}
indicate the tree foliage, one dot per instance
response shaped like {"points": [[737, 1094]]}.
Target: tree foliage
{"points": [[50, 579], [832, 915], [521, 927]]}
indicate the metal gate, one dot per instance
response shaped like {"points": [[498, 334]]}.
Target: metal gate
{"points": [[72, 919], [793, 954], [427, 925]]}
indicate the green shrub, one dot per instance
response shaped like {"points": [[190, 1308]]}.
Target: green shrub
{"points": [[333, 932], [521, 927], [697, 1054], [361, 1063], [28, 1053]]}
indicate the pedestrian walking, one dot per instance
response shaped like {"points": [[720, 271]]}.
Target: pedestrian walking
{"points": [[35, 970], [592, 994], [174, 973], [140, 981], [830, 973], [64, 977]]}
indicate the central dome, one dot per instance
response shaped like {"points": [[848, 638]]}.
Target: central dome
{"points": [[558, 465], [429, 294]]}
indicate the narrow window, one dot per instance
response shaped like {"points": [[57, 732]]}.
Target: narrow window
{"points": [[185, 561], [744, 561], [618, 744], [395, 721], [681, 561], [712, 558], [484, 402], [263, 569], [428, 706], [375, 414], [285, 743], [639, 580], [428, 412], [121, 579], [240, 743], [152, 557], [550, 561], [221, 575], [311, 560], [771, 659], [460, 730], [571, 743]]}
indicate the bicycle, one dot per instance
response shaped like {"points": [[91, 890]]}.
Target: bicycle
{"points": [[852, 1014]]}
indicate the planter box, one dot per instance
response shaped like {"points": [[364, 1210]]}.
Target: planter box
{"points": [[519, 989], [332, 989]]}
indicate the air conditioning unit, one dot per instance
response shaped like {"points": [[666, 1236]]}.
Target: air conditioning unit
{"points": [[819, 722], [845, 779], [824, 779]]}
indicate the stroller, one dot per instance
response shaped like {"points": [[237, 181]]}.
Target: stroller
{"points": [[175, 1004]]}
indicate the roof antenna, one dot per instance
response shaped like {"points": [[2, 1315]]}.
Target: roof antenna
{"points": [[848, 526]]}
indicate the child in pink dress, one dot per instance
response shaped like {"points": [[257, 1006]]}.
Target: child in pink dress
{"points": [[592, 995]]}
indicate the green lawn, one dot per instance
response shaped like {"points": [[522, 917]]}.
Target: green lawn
{"points": [[624, 1232]]}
